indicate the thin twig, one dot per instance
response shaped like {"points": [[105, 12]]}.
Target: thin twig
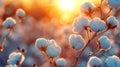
{"points": [[50, 60]]}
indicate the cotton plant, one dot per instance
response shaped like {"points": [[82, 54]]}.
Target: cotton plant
{"points": [[105, 43], [97, 24], [110, 61], [52, 50], [96, 27], [20, 13], [15, 59], [9, 23], [61, 62], [7, 26], [76, 41], [80, 23], [87, 8], [94, 62], [114, 3]]}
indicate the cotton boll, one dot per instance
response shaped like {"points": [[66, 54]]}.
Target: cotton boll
{"points": [[20, 13], [112, 61], [94, 62], [53, 50], [73, 39], [104, 42], [109, 62], [96, 24], [112, 22], [112, 51], [79, 24], [11, 65], [16, 58], [41, 43], [87, 7], [61, 62], [9, 23], [114, 3], [76, 41]]}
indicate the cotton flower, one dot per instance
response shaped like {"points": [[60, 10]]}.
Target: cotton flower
{"points": [[112, 22], [41, 43], [15, 58], [9, 23], [11, 65], [96, 24], [112, 61], [79, 24], [104, 42], [76, 41], [87, 7], [53, 50], [114, 3], [94, 62], [61, 62], [20, 13]]}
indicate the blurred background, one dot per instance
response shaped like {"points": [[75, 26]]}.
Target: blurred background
{"points": [[50, 19], [62, 10]]}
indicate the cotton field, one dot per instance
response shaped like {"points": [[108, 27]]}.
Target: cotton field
{"points": [[59, 33]]}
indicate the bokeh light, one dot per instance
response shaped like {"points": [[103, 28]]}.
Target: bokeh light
{"points": [[67, 4]]}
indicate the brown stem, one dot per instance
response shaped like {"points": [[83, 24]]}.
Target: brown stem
{"points": [[89, 42], [50, 60]]}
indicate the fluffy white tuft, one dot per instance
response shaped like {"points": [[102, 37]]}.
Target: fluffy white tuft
{"points": [[104, 42], [112, 61], [79, 24], [41, 42], [61, 62], [87, 7], [15, 58], [76, 41], [53, 50], [114, 3], [96, 24], [94, 62], [20, 13], [112, 22], [9, 22]]}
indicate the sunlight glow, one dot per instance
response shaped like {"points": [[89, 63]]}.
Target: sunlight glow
{"points": [[67, 4]]}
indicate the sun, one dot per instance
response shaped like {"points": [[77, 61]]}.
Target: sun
{"points": [[66, 4]]}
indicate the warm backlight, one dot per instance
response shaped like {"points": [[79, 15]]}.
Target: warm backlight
{"points": [[67, 4]]}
